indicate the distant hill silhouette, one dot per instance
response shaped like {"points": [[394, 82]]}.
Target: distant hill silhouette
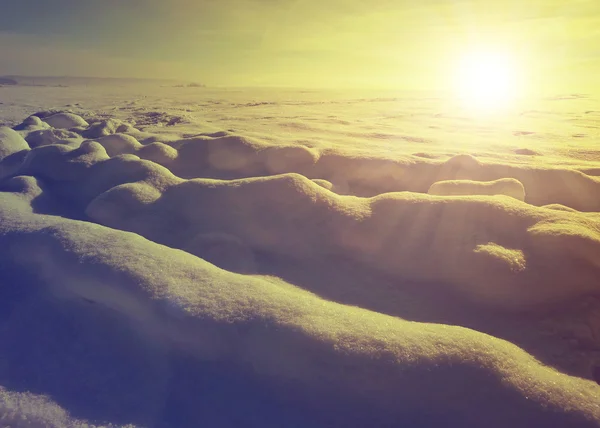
{"points": [[82, 81], [8, 81]]}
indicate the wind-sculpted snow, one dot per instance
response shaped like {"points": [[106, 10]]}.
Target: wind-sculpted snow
{"points": [[289, 213], [292, 278], [504, 186], [12, 143], [291, 338], [65, 121], [13, 149]]}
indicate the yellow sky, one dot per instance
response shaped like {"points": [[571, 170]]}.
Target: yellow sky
{"points": [[404, 44]]}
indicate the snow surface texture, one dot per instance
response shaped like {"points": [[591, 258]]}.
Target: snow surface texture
{"points": [[503, 186], [169, 278]]}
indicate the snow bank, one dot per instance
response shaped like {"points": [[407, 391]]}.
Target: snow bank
{"points": [[293, 215], [226, 156], [503, 186], [157, 271], [327, 354]]}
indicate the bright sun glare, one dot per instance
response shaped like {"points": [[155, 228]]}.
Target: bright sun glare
{"points": [[486, 81]]}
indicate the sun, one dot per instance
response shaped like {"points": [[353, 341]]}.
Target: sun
{"points": [[486, 81]]}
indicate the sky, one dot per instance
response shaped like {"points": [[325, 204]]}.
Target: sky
{"points": [[406, 44]]}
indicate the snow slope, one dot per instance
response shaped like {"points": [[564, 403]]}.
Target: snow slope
{"points": [[161, 266]]}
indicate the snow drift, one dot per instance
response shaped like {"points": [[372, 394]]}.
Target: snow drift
{"points": [[503, 186], [192, 246]]}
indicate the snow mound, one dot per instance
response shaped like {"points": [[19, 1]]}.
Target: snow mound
{"points": [[32, 123], [52, 136], [559, 207], [160, 153], [226, 156], [13, 149], [463, 161], [313, 218], [65, 121], [148, 283], [230, 153], [364, 367], [118, 144], [43, 161], [362, 176], [10, 143], [279, 160], [122, 200], [222, 155], [293, 215], [26, 410], [107, 127], [503, 186]]}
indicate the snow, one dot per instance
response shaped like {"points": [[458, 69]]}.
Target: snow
{"points": [[65, 120], [51, 136], [12, 151], [503, 186], [294, 258], [118, 144], [12, 143]]}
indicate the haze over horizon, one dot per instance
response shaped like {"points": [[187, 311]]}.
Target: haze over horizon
{"points": [[301, 42]]}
